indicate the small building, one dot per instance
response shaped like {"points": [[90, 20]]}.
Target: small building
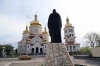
{"points": [[69, 36]]}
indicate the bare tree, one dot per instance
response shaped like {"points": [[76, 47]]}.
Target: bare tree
{"points": [[92, 38]]}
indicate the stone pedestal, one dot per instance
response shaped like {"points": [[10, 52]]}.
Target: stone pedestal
{"points": [[57, 55]]}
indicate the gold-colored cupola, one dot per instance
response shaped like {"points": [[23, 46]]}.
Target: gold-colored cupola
{"points": [[26, 30], [68, 24], [44, 32], [35, 22], [28, 39]]}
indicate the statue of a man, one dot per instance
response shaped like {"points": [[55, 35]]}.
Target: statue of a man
{"points": [[54, 25]]}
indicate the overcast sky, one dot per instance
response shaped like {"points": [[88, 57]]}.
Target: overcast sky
{"points": [[15, 14]]}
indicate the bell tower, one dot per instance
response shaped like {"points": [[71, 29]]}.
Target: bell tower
{"points": [[69, 32], [25, 32]]}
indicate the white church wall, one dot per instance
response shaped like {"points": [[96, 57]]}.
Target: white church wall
{"points": [[35, 29], [73, 48], [36, 41], [69, 31], [19, 44], [40, 30], [28, 48], [23, 46], [37, 45], [25, 35], [45, 48]]}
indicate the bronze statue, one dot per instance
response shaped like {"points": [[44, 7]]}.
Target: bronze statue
{"points": [[54, 25]]}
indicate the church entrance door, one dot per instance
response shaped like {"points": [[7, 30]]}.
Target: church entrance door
{"points": [[36, 49], [41, 51], [33, 51]]}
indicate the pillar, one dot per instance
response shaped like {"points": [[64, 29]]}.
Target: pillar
{"points": [[38, 50]]}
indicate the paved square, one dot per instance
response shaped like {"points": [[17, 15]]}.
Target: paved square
{"points": [[36, 61]]}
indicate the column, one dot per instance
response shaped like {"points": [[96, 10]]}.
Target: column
{"points": [[72, 48], [38, 50], [34, 50]]}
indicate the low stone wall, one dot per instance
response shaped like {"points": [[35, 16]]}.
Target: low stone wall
{"points": [[86, 57]]}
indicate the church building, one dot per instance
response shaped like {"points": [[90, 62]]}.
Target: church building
{"points": [[34, 41], [69, 36]]}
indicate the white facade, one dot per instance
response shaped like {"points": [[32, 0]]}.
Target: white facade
{"points": [[34, 41], [69, 33]]}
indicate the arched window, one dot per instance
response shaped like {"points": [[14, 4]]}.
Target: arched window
{"points": [[73, 48], [65, 31], [28, 46], [72, 34]]}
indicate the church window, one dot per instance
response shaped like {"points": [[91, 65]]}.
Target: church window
{"points": [[66, 41], [70, 34], [65, 31], [28, 46], [69, 30], [73, 48], [45, 46]]}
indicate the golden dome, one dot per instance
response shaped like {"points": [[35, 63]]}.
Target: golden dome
{"points": [[68, 24], [35, 21], [44, 32], [26, 31], [28, 39]]}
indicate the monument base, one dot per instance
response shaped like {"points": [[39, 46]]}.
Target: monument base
{"points": [[57, 55]]}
